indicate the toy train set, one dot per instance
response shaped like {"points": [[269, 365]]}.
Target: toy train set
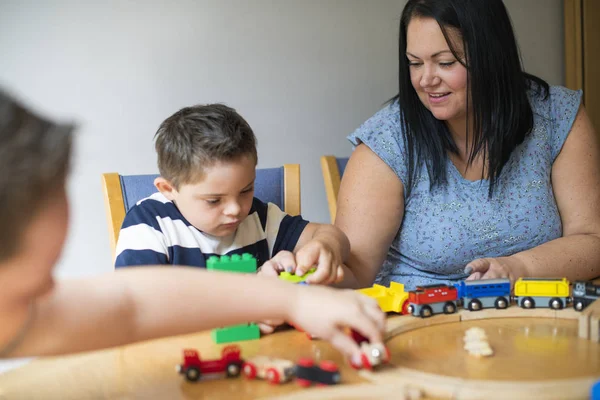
{"points": [[476, 295], [425, 301]]}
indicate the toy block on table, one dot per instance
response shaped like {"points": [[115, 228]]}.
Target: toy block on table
{"points": [[244, 263], [236, 333]]}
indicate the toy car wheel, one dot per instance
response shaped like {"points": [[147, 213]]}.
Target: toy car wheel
{"points": [[233, 370], [555, 303], [449, 308], [306, 362], [410, 309], [501, 303], [405, 308], [474, 305], [249, 370], [578, 305], [425, 312], [528, 302], [192, 374], [273, 376]]}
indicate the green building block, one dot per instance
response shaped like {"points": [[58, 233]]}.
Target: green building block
{"points": [[246, 263], [286, 276], [235, 333]]}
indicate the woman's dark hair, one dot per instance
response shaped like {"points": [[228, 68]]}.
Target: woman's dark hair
{"points": [[497, 89]]}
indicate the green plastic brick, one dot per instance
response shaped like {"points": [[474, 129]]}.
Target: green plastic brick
{"points": [[286, 276], [236, 333], [246, 263]]}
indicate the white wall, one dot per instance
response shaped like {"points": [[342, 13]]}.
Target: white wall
{"points": [[304, 73]]}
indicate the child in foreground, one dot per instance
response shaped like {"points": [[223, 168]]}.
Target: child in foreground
{"points": [[42, 317]]}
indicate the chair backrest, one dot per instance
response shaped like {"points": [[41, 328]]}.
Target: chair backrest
{"points": [[280, 186], [333, 169]]}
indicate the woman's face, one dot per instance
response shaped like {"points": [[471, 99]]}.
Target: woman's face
{"points": [[439, 79]]}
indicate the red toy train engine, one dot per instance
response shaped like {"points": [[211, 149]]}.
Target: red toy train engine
{"points": [[428, 300]]}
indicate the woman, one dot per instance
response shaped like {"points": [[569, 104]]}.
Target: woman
{"points": [[475, 169]]}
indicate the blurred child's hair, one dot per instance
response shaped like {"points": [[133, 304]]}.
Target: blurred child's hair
{"points": [[197, 137], [34, 162]]}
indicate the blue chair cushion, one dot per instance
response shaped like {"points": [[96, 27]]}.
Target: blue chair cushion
{"points": [[341, 163], [268, 187]]}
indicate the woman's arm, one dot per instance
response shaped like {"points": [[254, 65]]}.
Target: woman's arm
{"points": [[576, 185], [370, 211]]}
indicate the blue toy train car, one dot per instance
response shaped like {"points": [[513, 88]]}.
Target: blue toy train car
{"points": [[489, 293]]}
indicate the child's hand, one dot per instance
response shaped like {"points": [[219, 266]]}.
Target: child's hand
{"points": [[318, 253], [494, 268], [325, 312], [282, 261]]}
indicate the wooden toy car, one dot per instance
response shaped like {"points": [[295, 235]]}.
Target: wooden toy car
{"points": [[542, 292], [428, 300], [307, 373], [372, 354], [274, 370], [193, 368], [392, 299]]}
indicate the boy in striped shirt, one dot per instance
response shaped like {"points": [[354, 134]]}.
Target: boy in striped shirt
{"points": [[205, 206]]}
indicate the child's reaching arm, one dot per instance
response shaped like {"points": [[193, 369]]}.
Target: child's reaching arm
{"points": [[149, 302]]}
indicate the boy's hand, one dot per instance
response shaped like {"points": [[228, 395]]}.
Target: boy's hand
{"points": [[282, 261], [494, 268], [318, 253], [325, 312]]}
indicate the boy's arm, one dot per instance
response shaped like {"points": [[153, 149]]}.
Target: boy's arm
{"points": [[149, 302], [324, 246]]}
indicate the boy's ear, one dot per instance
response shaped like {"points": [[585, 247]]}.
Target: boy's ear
{"points": [[165, 187]]}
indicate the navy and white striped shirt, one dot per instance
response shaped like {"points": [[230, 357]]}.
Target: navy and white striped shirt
{"points": [[155, 232]]}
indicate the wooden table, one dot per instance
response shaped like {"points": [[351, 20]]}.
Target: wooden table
{"points": [[525, 349]]}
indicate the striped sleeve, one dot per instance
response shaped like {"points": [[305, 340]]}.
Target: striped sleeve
{"points": [[141, 240], [282, 230]]}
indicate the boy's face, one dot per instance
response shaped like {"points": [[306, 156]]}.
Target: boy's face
{"points": [[221, 200]]}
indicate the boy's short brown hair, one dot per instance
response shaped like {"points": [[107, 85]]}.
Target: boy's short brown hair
{"points": [[34, 162], [198, 137]]}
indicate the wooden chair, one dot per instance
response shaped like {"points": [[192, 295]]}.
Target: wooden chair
{"points": [[280, 186], [333, 169]]}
